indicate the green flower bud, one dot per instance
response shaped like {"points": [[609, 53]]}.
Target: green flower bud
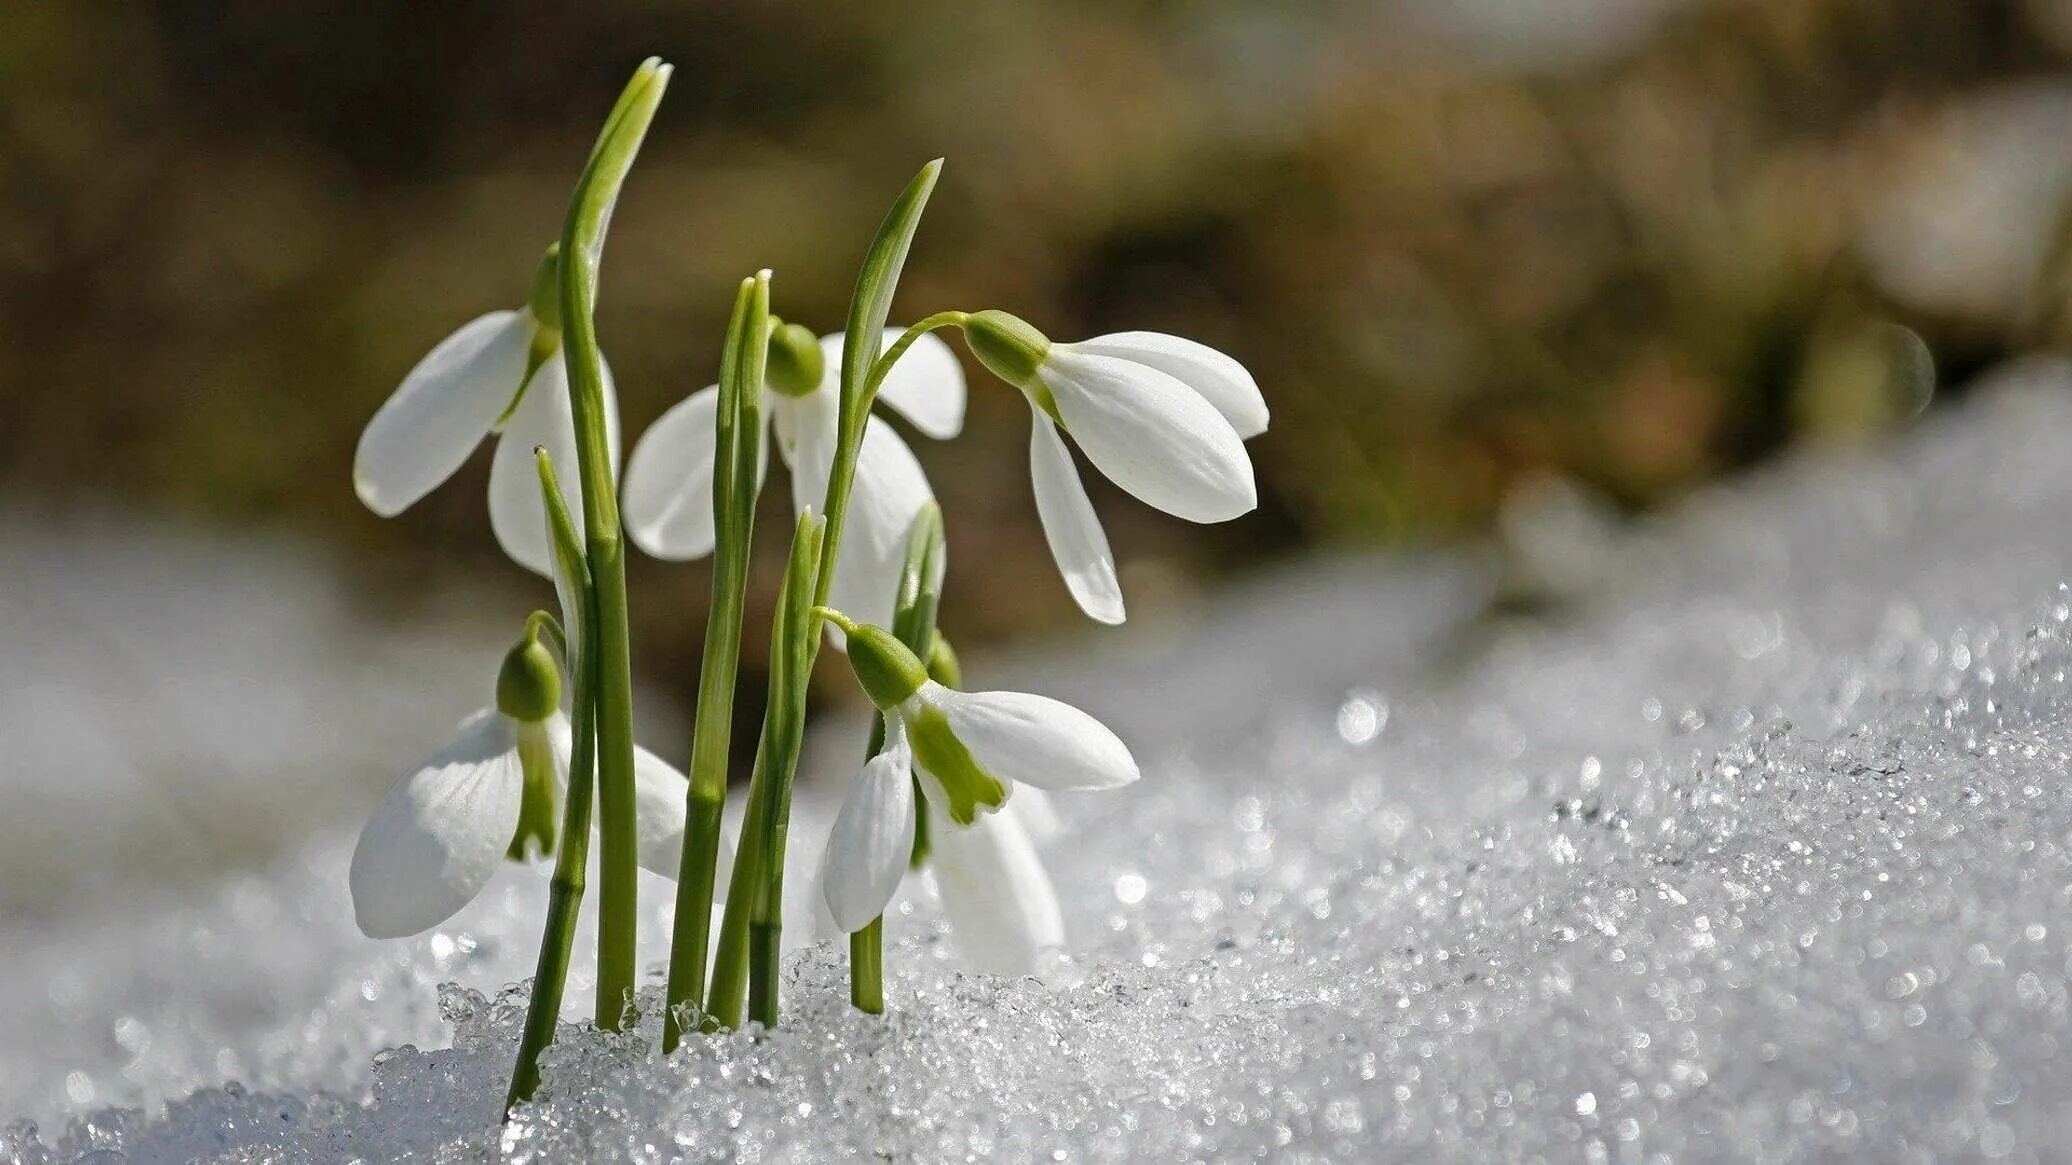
{"points": [[968, 788], [545, 301], [889, 672], [1008, 346], [528, 686], [796, 364]]}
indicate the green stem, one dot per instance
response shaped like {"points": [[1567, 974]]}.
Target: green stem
{"points": [[565, 893], [742, 369], [797, 634], [540, 621], [582, 246], [748, 946], [867, 968], [727, 994], [784, 724], [883, 367]]}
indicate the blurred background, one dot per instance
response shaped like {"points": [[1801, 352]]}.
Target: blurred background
{"points": [[1468, 247]]}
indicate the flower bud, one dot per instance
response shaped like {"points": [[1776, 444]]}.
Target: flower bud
{"points": [[1007, 346], [528, 686], [796, 364], [889, 672]]}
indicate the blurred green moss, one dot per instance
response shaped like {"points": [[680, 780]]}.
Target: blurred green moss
{"points": [[1458, 253]]}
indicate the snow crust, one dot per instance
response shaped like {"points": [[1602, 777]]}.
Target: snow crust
{"points": [[1756, 852]]}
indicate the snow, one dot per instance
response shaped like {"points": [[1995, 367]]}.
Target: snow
{"points": [[1755, 849]]}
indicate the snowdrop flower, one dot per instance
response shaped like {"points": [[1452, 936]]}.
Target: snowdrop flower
{"points": [[1163, 417], [970, 749], [499, 373], [493, 792], [668, 495]]}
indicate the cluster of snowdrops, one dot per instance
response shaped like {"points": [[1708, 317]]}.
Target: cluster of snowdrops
{"points": [[553, 760]]}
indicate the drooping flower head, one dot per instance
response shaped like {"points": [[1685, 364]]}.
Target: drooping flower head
{"points": [[499, 373], [493, 792], [669, 479], [970, 750], [1163, 417]]}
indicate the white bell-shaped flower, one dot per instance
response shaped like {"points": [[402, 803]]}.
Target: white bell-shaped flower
{"points": [[970, 749], [493, 792], [1163, 417], [669, 479], [500, 373]]}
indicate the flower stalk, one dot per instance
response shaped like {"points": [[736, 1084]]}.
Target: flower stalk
{"points": [[797, 637], [744, 969], [582, 247], [565, 892], [743, 366]]}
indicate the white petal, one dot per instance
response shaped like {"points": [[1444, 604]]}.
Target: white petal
{"points": [[872, 840], [926, 386], [561, 735], [658, 805], [517, 514], [805, 428], [1037, 813], [1003, 911], [543, 418], [1070, 525], [1222, 380], [1036, 740], [668, 496], [442, 410], [439, 834], [888, 495], [1152, 435]]}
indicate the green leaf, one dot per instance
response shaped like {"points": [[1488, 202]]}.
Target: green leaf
{"points": [[877, 281], [920, 582], [741, 373], [571, 569], [582, 248]]}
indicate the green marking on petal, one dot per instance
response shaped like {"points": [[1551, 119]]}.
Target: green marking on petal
{"points": [[537, 809], [1039, 394], [969, 789], [546, 344]]}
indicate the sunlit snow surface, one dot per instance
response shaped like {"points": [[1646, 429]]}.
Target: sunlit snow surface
{"points": [[1759, 852]]}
